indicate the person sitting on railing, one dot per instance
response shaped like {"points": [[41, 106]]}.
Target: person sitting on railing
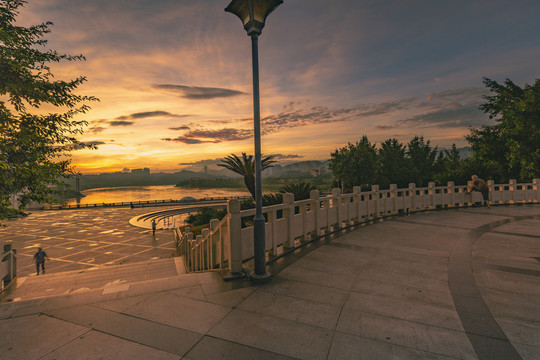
{"points": [[480, 186], [40, 257]]}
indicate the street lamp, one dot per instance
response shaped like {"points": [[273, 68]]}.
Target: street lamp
{"points": [[253, 14]]}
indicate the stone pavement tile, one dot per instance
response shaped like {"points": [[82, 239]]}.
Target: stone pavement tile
{"points": [[332, 267], [318, 276], [149, 333], [521, 332], [349, 347], [406, 333], [30, 337], [511, 282], [156, 285], [513, 306], [192, 292], [231, 298], [59, 302], [409, 293], [429, 270], [461, 219], [404, 279], [341, 255], [290, 308], [121, 305], [306, 291], [406, 310], [523, 227], [96, 345], [527, 352], [173, 310], [210, 348], [284, 337], [496, 348]]}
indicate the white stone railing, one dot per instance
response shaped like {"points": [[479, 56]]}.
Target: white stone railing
{"points": [[226, 244], [8, 267]]}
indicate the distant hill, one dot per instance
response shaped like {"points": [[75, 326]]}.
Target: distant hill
{"points": [[139, 178]]}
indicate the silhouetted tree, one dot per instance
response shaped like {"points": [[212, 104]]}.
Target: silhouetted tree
{"points": [[354, 165], [392, 164], [34, 149], [301, 190], [245, 166], [514, 141], [421, 160]]}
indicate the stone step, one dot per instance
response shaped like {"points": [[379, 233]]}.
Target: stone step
{"points": [[108, 278]]}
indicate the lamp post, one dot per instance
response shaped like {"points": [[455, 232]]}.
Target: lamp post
{"points": [[253, 14]]}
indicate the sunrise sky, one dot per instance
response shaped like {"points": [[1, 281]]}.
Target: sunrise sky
{"points": [[174, 76]]}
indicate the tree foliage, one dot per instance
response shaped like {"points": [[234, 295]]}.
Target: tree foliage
{"points": [[396, 163], [354, 165], [301, 190], [512, 145], [392, 164], [34, 147], [421, 160], [245, 166]]}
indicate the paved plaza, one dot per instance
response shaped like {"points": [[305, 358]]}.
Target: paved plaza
{"points": [[84, 239], [451, 284]]}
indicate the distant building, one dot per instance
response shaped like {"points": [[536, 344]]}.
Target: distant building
{"points": [[315, 172], [145, 171], [205, 169]]}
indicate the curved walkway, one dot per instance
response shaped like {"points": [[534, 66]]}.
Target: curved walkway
{"points": [[456, 284]]}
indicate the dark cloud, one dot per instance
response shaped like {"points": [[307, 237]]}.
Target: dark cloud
{"points": [[225, 134], [180, 128], [121, 123], [96, 129], [87, 143], [459, 116], [187, 140], [385, 127], [323, 114], [148, 114], [286, 156], [473, 91], [198, 92]]}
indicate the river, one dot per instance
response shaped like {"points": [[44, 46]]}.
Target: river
{"points": [[144, 193]]}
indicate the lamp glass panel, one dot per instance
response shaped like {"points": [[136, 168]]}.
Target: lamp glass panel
{"points": [[261, 9], [239, 8]]}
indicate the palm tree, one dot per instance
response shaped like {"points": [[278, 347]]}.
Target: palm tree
{"points": [[301, 190], [245, 166]]}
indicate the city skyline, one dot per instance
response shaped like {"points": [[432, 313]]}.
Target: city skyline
{"points": [[174, 77]]}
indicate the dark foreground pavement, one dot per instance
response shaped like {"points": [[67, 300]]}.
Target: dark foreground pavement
{"points": [[456, 284]]}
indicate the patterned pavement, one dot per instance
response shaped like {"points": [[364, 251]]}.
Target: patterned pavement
{"points": [[85, 238]]}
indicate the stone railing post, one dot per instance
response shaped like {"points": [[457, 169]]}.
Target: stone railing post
{"points": [[512, 188], [393, 196], [450, 192], [536, 188], [431, 192], [215, 246], [234, 227], [375, 196], [336, 200], [288, 213], [491, 186], [358, 197], [412, 194], [315, 207]]}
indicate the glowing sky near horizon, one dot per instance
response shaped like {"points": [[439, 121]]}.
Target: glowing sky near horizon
{"points": [[174, 76]]}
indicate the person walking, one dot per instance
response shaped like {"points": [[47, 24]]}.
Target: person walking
{"points": [[39, 258], [480, 186], [154, 226]]}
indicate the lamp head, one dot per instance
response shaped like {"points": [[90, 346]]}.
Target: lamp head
{"points": [[253, 13]]}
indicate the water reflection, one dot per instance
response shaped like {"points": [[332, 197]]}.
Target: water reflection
{"points": [[145, 193]]}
